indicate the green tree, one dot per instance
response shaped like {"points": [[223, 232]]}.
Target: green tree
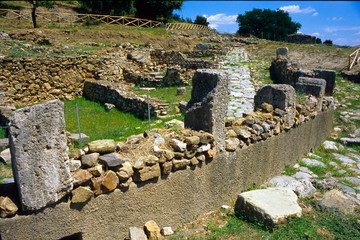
{"points": [[201, 20], [155, 9], [266, 23], [35, 4], [110, 7]]}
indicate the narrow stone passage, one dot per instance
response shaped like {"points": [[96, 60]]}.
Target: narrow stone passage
{"points": [[241, 87]]}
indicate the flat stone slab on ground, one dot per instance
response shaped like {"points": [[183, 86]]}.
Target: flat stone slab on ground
{"points": [[335, 200], [270, 206]]}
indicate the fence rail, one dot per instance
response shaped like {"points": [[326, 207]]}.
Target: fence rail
{"points": [[187, 26], [71, 18], [354, 58]]}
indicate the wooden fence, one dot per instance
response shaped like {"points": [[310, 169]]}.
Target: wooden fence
{"points": [[71, 18], [188, 26], [354, 58]]}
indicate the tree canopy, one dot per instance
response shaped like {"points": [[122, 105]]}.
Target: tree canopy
{"points": [[149, 9], [266, 23], [201, 20]]}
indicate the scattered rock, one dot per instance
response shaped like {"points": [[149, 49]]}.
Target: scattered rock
{"points": [[335, 200], [313, 162], [5, 156], [146, 173], [302, 188], [109, 106], [75, 138], [152, 230], [325, 184], [125, 172], [96, 171], [270, 206], [167, 231], [329, 145], [7, 207], [177, 145], [349, 141], [176, 124]]}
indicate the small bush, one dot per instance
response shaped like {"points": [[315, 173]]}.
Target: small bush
{"points": [[328, 42]]}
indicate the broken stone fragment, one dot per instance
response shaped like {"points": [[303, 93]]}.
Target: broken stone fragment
{"points": [[204, 148], [146, 173], [96, 171], [335, 200], [105, 183], [193, 140], [180, 164], [81, 195], [242, 132], [149, 160], [111, 160], [231, 144], [125, 183], [136, 233], [194, 161], [177, 145], [270, 206], [206, 138], [80, 177], [165, 156], [167, 231], [7, 207], [74, 165], [90, 160], [152, 230], [102, 146], [125, 172], [5, 156], [210, 154], [166, 168]]}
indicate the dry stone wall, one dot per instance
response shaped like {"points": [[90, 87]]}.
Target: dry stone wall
{"points": [[29, 81], [172, 58]]}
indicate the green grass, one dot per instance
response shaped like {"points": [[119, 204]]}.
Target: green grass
{"points": [[3, 132], [99, 124], [166, 95], [315, 225], [5, 171]]}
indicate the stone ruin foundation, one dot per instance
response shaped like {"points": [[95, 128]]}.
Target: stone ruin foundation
{"points": [[113, 192]]}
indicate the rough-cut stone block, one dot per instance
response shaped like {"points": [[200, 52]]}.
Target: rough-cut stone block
{"points": [[282, 52], [75, 138], [329, 76], [311, 86], [38, 149], [270, 206], [209, 100], [80, 177], [102, 146], [280, 96], [136, 233]]}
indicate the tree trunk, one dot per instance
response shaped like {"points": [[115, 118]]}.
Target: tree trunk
{"points": [[33, 16]]}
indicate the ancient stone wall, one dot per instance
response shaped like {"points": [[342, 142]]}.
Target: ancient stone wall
{"points": [[301, 38], [28, 81], [176, 198], [172, 58]]}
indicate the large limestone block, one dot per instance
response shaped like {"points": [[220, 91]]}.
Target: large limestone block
{"points": [[329, 76], [311, 86], [270, 206], [39, 156], [209, 100], [281, 96]]}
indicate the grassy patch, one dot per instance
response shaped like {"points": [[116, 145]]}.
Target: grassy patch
{"points": [[167, 95], [288, 170], [5, 171], [99, 124]]}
